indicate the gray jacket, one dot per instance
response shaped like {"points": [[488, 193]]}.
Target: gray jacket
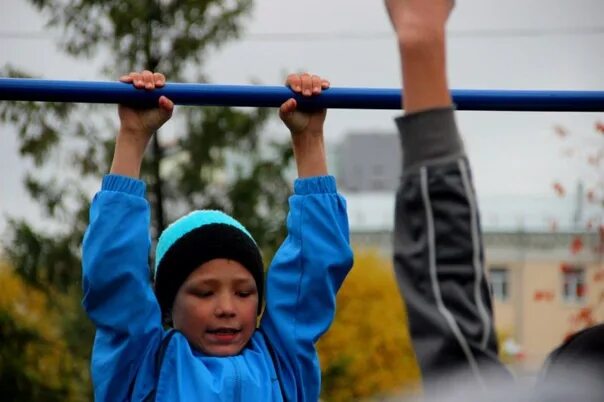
{"points": [[439, 265]]}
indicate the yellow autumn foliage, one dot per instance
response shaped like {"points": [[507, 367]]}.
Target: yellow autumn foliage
{"points": [[367, 352], [34, 358]]}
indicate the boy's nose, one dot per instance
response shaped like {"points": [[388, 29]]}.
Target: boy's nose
{"points": [[225, 307]]}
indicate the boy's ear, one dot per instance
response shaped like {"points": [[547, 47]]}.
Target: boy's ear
{"points": [[259, 316]]}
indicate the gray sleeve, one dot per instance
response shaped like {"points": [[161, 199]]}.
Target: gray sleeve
{"points": [[438, 255], [429, 137]]}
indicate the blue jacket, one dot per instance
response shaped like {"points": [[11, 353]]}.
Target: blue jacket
{"points": [[301, 286]]}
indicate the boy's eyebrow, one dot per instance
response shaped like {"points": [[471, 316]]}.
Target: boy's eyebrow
{"points": [[214, 281], [244, 281]]}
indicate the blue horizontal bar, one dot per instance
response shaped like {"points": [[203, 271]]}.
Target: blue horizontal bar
{"points": [[26, 89]]}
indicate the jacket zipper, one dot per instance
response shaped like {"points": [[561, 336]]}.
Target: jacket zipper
{"points": [[237, 385]]}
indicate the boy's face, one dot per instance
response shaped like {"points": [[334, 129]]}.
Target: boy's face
{"points": [[216, 306]]}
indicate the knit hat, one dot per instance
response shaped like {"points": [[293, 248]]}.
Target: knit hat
{"points": [[197, 238]]}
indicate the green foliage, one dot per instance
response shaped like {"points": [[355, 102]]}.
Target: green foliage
{"points": [[163, 35], [35, 363], [45, 260], [367, 353]]}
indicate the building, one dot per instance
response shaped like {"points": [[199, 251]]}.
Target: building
{"points": [[369, 162], [545, 286]]}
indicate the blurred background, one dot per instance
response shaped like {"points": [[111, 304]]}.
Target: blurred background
{"points": [[538, 176]]}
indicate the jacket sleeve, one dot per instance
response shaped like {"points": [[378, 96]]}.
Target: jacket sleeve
{"points": [[438, 255], [118, 296], [302, 283]]}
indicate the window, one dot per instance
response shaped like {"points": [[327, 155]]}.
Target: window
{"points": [[499, 277], [573, 284]]}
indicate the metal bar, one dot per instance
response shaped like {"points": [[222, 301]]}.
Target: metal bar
{"points": [[26, 89]]}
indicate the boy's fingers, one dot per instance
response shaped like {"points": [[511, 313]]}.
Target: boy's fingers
{"points": [[306, 84], [166, 104], [316, 84], [136, 80], [148, 79], [288, 107], [293, 81], [126, 78], [160, 79]]}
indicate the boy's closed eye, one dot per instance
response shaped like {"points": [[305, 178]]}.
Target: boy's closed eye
{"points": [[202, 293], [206, 293], [246, 293]]}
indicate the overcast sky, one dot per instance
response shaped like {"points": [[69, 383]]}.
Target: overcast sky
{"points": [[514, 44]]}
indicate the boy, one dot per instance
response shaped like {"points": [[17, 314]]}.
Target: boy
{"points": [[209, 279], [438, 253]]}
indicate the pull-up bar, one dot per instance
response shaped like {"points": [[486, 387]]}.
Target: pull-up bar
{"points": [[25, 89]]}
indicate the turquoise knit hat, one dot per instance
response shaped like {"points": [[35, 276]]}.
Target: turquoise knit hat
{"points": [[196, 238], [189, 222]]}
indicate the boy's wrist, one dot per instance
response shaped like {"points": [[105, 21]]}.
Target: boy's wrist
{"points": [[308, 139], [128, 156], [309, 152], [423, 60], [418, 38], [312, 167], [136, 138]]}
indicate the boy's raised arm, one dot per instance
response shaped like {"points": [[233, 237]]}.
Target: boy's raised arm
{"points": [[314, 259], [419, 26], [438, 254], [118, 296], [138, 125]]}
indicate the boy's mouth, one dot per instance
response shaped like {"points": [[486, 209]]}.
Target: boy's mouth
{"points": [[223, 331], [224, 336]]}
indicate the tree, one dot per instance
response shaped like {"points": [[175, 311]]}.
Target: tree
{"points": [[217, 161], [367, 352], [589, 152], [585, 152], [34, 359]]}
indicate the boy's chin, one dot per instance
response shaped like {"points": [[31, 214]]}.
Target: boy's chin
{"points": [[222, 351]]}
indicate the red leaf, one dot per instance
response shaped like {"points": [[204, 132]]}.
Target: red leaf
{"points": [[561, 131], [559, 189], [545, 295], [585, 314], [576, 245], [591, 195], [566, 268], [581, 289]]}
